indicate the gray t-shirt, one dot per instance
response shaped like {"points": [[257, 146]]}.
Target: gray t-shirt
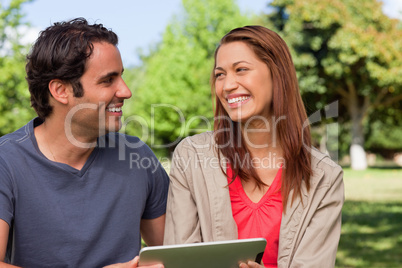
{"points": [[64, 217]]}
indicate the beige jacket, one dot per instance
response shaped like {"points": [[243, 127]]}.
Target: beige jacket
{"points": [[199, 208]]}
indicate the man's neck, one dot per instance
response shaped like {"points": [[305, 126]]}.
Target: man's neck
{"points": [[59, 144]]}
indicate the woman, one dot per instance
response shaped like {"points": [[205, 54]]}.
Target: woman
{"points": [[256, 175]]}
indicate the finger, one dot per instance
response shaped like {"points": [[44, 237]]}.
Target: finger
{"points": [[134, 262], [243, 265], [252, 264], [153, 266]]}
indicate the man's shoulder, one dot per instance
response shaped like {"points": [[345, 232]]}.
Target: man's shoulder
{"points": [[15, 138]]}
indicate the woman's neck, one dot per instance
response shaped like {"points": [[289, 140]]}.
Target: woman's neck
{"points": [[260, 137]]}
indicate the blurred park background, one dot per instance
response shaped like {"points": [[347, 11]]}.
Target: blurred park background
{"points": [[348, 57]]}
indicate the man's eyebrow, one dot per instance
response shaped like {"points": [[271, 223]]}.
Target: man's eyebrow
{"points": [[111, 74]]}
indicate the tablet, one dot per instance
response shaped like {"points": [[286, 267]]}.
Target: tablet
{"points": [[221, 254]]}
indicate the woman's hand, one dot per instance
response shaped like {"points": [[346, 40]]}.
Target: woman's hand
{"points": [[133, 264], [250, 264]]}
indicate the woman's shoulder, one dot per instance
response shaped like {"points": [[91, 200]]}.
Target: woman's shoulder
{"points": [[320, 159], [199, 142], [321, 163], [197, 151]]}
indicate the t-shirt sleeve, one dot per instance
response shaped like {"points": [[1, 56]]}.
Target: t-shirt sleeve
{"points": [[6, 194], [158, 183]]}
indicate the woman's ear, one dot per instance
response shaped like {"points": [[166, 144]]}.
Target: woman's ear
{"points": [[59, 90]]}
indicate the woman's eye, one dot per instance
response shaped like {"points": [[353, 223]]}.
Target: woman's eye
{"points": [[218, 75], [241, 69]]}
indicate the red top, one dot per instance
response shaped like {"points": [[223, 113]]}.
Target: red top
{"points": [[262, 219]]}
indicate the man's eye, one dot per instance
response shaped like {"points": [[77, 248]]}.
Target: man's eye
{"points": [[108, 81]]}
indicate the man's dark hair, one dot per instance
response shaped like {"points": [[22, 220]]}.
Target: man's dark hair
{"points": [[61, 52]]}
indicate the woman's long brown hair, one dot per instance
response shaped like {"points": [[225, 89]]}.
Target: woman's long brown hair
{"points": [[293, 132]]}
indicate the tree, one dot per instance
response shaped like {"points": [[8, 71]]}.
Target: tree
{"points": [[344, 50], [172, 96], [14, 96], [384, 135]]}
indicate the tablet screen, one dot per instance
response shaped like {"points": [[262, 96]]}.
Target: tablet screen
{"points": [[220, 254]]}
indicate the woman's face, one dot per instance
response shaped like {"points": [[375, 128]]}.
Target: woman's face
{"points": [[243, 83]]}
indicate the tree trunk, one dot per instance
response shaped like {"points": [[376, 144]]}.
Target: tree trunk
{"points": [[357, 153]]}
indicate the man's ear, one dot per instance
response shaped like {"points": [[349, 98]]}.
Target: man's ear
{"points": [[59, 90]]}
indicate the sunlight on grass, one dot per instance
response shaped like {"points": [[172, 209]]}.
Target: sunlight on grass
{"points": [[373, 184]]}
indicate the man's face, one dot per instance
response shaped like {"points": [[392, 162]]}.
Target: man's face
{"points": [[99, 111]]}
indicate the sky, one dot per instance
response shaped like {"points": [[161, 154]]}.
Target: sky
{"points": [[138, 23]]}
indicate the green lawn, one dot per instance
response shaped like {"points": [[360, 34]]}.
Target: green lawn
{"points": [[372, 219]]}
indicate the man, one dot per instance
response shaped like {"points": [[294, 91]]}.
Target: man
{"points": [[70, 196]]}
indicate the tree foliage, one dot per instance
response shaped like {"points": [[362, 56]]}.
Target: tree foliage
{"points": [[15, 108], [384, 132], [171, 97], [344, 50]]}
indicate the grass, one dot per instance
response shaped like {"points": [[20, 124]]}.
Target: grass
{"points": [[373, 184], [372, 219]]}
